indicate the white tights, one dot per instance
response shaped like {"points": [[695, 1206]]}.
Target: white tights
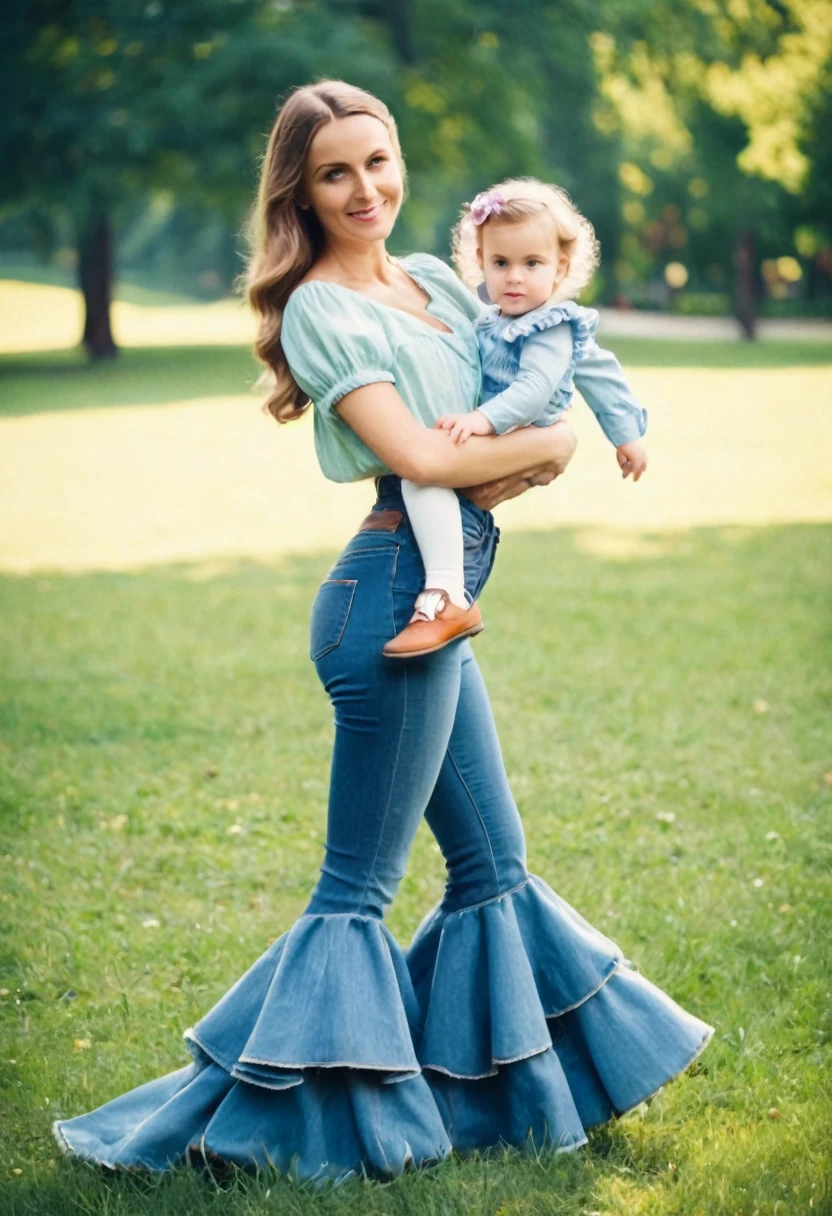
{"points": [[435, 518]]}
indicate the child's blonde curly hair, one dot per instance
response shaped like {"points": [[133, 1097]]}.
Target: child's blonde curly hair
{"points": [[519, 199]]}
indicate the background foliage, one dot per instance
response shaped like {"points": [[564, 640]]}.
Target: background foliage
{"points": [[693, 133]]}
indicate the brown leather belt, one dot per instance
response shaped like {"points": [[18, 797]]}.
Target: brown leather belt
{"points": [[381, 521]]}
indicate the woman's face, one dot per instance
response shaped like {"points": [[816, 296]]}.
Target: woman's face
{"points": [[352, 180]]}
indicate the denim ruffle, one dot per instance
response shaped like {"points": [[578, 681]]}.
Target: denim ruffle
{"points": [[535, 1024], [527, 1022], [583, 322], [332, 992], [294, 1066]]}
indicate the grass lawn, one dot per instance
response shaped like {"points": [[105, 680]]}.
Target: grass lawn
{"points": [[165, 751], [663, 698]]}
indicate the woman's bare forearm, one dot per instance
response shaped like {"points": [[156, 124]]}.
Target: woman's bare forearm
{"points": [[492, 493], [381, 419]]}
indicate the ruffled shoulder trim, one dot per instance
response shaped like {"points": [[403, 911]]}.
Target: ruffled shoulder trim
{"points": [[583, 322]]}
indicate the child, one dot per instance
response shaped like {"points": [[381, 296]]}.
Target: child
{"points": [[535, 251]]}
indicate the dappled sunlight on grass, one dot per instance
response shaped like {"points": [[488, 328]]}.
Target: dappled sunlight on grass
{"points": [[210, 478]]}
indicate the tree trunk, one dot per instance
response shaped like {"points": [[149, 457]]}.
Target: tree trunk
{"points": [[95, 274], [744, 286]]}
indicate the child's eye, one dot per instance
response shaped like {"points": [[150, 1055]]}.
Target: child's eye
{"points": [[500, 262], [533, 262]]}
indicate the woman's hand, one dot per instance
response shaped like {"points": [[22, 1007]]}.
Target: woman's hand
{"points": [[491, 493]]}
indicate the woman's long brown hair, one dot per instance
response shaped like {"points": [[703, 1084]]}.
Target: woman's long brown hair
{"points": [[286, 239]]}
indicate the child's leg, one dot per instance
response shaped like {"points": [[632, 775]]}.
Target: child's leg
{"points": [[434, 516]]}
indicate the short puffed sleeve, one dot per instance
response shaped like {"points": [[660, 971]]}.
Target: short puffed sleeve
{"points": [[333, 342]]}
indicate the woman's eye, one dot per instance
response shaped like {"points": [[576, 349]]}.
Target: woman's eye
{"points": [[378, 160], [330, 177]]}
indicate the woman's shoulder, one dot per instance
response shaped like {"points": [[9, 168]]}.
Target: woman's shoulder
{"points": [[318, 306]]}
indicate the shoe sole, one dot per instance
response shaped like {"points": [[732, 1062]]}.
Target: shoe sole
{"points": [[416, 654]]}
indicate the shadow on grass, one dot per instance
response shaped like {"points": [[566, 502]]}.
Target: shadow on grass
{"points": [[47, 381]]}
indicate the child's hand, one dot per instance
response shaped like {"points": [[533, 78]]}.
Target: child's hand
{"points": [[632, 459], [462, 426]]}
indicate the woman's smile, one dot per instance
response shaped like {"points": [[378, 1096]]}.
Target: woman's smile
{"points": [[367, 214]]}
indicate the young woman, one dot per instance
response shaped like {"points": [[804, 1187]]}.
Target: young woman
{"points": [[509, 1018]]}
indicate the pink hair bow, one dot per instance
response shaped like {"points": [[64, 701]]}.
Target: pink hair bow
{"points": [[489, 202]]}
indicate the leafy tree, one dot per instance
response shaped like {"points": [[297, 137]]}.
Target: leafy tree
{"points": [[114, 101], [714, 104]]}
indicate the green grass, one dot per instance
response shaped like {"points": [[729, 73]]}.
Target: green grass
{"points": [[63, 380], [153, 375], [678, 352], [665, 723]]}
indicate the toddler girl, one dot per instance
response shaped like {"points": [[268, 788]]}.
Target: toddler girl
{"points": [[535, 252]]}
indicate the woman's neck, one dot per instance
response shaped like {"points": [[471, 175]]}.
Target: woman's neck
{"points": [[358, 266]]}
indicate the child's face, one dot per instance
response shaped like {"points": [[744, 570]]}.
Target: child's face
{"points": [[522, 264]]}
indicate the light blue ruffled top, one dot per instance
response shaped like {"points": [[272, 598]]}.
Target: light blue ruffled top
{"points": [[530, 364], [336, 340]]}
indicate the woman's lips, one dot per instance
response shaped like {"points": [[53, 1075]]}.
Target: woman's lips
{"points": [[367, 215]]}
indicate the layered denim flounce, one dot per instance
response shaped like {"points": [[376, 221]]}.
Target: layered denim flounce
{"points": [[513, 1021], [501, 340]]}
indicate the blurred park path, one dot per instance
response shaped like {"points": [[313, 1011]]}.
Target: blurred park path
{"points": [[35, 316], [634, 323]]}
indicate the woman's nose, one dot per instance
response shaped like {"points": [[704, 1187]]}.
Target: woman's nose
{"points": [[363, 187]]}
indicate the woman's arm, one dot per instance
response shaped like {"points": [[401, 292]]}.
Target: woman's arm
{"points": [[383, 422]]}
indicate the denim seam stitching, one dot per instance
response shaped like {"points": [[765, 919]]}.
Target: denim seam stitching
{"points": [[390, 795], [492, 899], [479, 817], [413, 1069], [240, 1074], [616, 964], [499, 1063]]}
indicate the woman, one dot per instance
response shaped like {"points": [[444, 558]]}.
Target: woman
{"points": [[509, 1018]]}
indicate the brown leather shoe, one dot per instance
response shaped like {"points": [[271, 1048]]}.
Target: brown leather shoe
{"points": [[435, 622]]}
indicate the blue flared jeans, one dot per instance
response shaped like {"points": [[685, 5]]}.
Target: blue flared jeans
{"points": [[508, 1020], [413, 737]]}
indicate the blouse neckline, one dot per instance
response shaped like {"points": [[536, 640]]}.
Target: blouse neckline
{"points": [[450, 332]]}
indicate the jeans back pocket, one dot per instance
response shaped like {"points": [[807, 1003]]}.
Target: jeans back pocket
{"points": [[330, 613]]}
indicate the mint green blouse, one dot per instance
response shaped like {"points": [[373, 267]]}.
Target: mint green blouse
{"points": [[336, 340]]}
